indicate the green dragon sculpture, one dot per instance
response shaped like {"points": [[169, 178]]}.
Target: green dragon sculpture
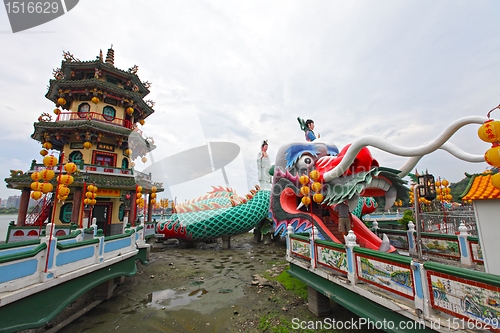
{"points": [[219, 213]]}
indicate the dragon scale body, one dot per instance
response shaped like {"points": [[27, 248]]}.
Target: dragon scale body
{"points": [[219, 213]]}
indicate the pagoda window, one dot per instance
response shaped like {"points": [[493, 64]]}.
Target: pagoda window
{"points": [[111, 80], [76, 156], [104, 159], [83, 110], [125, 163], [109, 113], [65, 213]]}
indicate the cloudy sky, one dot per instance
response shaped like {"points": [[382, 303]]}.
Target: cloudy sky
{"points": [[243, 71]]}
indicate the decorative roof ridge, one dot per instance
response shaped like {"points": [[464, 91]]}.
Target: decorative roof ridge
{"points": [[107, 66]]}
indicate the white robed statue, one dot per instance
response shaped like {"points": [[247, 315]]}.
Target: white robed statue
{"points": [[263, 166]]}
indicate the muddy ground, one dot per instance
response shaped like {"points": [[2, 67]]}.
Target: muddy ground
{"points": [[205, 289]]}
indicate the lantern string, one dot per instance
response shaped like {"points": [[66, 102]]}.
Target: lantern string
{"points": [[496, 107]]}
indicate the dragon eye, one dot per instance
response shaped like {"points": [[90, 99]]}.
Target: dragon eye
{"points": [[307, 160]]}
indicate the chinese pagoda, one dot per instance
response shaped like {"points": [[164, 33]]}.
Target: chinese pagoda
{"points": [[98, 109]]}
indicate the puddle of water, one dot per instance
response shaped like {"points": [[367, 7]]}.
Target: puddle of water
{"points": [[169, 298]]}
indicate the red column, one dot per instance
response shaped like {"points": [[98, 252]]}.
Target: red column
{"points": [[132, 208], [23, 207]]}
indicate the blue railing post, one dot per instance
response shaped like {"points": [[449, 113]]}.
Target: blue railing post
{"points": [[412, 245], [314, 233], [421, 289], [289, 232], [350, 242], [465, 254]]}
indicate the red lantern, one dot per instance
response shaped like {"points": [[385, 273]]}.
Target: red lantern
{"points": [[50, 161], [47, 174], [70, 167]]}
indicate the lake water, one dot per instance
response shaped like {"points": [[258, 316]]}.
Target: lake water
{"points": [[4, 225]]}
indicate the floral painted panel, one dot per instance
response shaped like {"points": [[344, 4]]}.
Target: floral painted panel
{"points": [[387, 275], [441, 247], [464, 298], [477, 253], [332, 258], [398, 241], [301, 248]]}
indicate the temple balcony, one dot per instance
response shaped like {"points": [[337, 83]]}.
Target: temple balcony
{"points": [[84, 116]]}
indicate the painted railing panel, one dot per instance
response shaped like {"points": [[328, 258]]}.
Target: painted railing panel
{"points": [[21, 269], [12, 248], [332, 256], [397, 238], [300, 246], [389, 272], [468, 295], [441, 245], [475, 250], [149, 229]]}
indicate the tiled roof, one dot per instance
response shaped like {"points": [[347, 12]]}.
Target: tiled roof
{"points": [[52, 94], [480, 187]]}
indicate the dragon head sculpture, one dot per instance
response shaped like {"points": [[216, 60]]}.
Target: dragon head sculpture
{"points": [[363, 179]]}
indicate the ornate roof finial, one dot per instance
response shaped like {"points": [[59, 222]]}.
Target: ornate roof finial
{"points": [[110, 57], [99, 57]]}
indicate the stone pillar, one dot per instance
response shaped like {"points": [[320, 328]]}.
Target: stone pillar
{"points": [[77, 205], [23, 207], [412, 244], [289, 232], [150, 209], [132, 208], [465, 254], [375, 227], [350, 242], [226, 242], [318, 303]]}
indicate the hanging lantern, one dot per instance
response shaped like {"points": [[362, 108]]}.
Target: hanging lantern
{"points": [[314, 175], [306, 201], [87, 145], [153, 201], [63, 190], [70, 167], [43, 152], [95, 100], [36, 176], [492, 156], [438, 190], [65, 179], [318, 197], [57, 111], [304, 190], [153, 195], [439, 197], [93, 201], [449, 197], [316, 186], [46, 187], [87, 201], [144, 159], [130, 110], [47, 145], [137, 201], [438, 184], [35, 186], [88, 195], [94, 195], [47, 174], [36, 195], [61, 101], [142, 122], [94, 189], [128, 152], [50, 161], [495, 180], [63, 198], [139, 194], [304, 180], [138, 189], [153, 189], [489, 131], [90, 188], [445, 183]]}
